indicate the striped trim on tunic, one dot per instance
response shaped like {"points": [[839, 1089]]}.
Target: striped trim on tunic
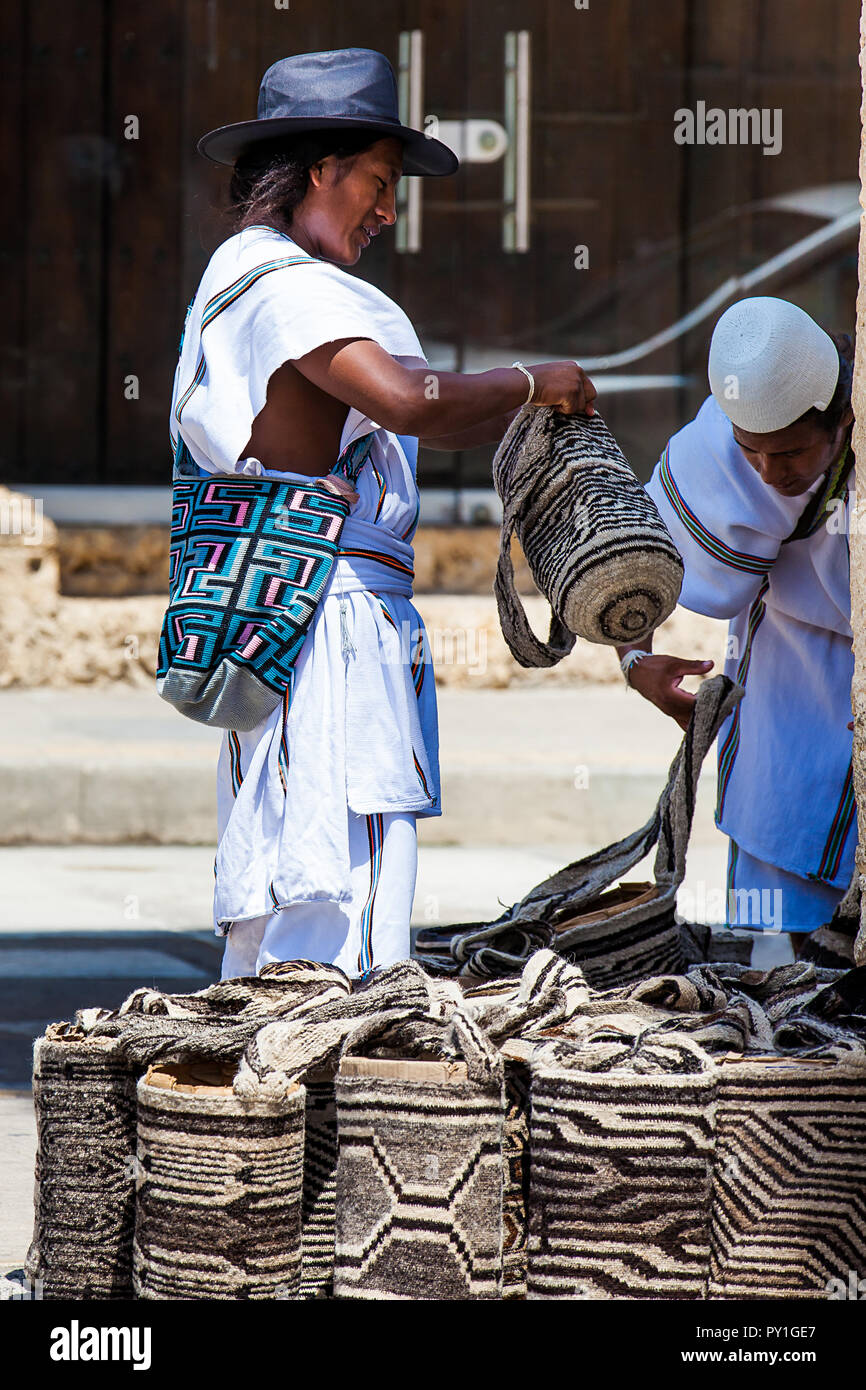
{"points": [[283, 755], [419, 664], [382, 489], [733, 856], [236, 769], [421, 778], [410, 529], [381, 559], [419, 655], [842, 822], [389, 616], [376, 839], [223, 300], [736, 559]]}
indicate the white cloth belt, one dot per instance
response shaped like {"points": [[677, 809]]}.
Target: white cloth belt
{"points": [[385, 565]]}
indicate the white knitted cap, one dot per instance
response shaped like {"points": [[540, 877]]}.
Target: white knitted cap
{"points": [[770, 363]]}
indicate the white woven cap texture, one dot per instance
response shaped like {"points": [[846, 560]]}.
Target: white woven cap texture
{"points": [[770, 363]]}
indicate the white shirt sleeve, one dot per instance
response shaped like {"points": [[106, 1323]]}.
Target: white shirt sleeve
{"points": [[263, 302], [727, 523]]}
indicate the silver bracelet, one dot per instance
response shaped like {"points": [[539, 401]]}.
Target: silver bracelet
{"points": [[529, 377], [631, 659]]}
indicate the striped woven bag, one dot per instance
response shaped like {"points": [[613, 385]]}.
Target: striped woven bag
{"points": [[788, 1209], [249, 561], [84, 1094], [622, 1151], [218, 1188], [594, 541]]}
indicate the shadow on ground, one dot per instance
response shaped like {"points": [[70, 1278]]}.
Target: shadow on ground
{"points": [[46, 976]]}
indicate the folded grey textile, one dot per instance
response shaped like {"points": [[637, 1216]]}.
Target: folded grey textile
{"points": [[404, 1012], [217, 1022], [282, 1051], [628, 942], [701, 943], [593, 539], [622, 1043], [549, 993], [794, 1010]]}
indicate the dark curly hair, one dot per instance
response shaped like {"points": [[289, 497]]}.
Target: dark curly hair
{"points": [[830, 419], [270, 182]]}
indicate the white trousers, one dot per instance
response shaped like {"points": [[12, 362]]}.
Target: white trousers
{"points": [[370, 930]]}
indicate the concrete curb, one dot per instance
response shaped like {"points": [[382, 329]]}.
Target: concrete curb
{"points": [[142, 801], [519, 767]]}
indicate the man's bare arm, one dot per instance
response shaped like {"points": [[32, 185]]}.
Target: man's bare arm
{"points": [[488, 432], [432, 404]]}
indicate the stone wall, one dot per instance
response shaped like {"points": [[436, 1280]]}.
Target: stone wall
{"points": [[52, 638], [118, 561]]}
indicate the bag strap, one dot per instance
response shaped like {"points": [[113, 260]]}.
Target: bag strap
{"points": [[353, 457], [348, 466], [525, 647], [526, 436], [835, 484], [184, 465], [669, 826]]}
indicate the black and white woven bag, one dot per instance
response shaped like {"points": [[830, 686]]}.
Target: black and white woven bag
{"points": [[616, 934], [594, 541]]}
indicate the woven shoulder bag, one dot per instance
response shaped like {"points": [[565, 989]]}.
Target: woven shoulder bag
{"points": [[594, 541], [250, 559]]}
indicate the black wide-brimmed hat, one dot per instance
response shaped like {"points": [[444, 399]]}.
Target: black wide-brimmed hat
{"points": [[351, 87]]}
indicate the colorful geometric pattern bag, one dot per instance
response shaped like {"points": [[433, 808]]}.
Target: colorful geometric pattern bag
{"points": [[250, 558]]}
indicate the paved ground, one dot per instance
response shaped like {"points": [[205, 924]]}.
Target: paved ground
{"points": [[121, 766]]}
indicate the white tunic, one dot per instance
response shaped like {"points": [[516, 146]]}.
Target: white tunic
{"points": [[785, 788], [359, 727]]}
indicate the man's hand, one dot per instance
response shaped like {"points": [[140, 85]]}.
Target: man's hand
{"points": [[564, 385], [658, 678]]}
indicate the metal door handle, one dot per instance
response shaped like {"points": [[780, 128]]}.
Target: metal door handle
{"points": [[411, 97], [474, 141], [515, 220]]}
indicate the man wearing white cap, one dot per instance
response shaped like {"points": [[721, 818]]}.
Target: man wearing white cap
{"points": [[755, 491]]}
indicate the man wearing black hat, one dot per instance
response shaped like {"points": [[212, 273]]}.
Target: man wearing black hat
{"points": [[286, 361]]}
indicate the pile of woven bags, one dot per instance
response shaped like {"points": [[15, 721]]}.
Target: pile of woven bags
{"points": [[698, 1135]]}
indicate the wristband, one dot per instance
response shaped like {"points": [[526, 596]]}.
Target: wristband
{"points": [[529, 377], [631, 659]]}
